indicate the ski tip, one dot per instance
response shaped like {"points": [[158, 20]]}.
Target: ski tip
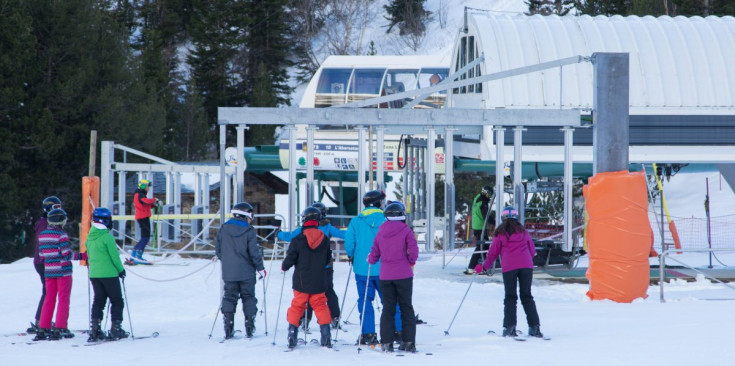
{"points": [[154, 335], [491, 332]]}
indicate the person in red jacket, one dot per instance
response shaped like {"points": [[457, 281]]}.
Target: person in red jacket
{"points": [[143, 206], [515, 247]]}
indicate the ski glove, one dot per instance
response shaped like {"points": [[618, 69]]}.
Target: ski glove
{"points": [[479, 269], [84, 256], [349, 260], [121, 274], [262, 274]]}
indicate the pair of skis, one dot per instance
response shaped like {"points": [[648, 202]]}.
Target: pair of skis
{"points": [[520, 337]]}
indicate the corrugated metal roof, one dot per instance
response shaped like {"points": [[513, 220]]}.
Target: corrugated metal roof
{"points": [[677, 65]]}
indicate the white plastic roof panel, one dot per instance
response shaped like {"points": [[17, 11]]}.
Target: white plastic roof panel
{"points": [[677, 65]]}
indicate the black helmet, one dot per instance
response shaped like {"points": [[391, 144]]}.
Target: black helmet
{"points": [[102, 216], [242, 210], [322, 209], [396, 211], [50, 203], [311, 213], [373, 198], [487, 191], [56, 217]]}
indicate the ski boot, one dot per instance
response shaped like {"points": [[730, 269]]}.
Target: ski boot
{"points": [[398, 338], [335, 323], [535, 331], [116, 331], [43, 334], [33, 329], [370, 339], [96, 334], [293, 333], [249, 326], [64, 333], [229, 319], [387, 347], [510, 331], [409, 347], [469, 271], [326, 339]]}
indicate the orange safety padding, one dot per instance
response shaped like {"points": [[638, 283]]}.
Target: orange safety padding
{"points": [[675, 235], [619, 236], [90, 188]]}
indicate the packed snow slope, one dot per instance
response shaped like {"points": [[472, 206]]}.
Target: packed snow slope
{"points": [[688, 329]]}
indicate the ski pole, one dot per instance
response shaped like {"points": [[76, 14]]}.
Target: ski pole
{"points": [[127, 307], [278, 314], [265, 310], [446, 332], [215, 317], [347, 321], [89, 299], [344, 297], [107, 317], [364, 304]]}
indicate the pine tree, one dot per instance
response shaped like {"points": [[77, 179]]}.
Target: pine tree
{"points": [[409, 15], [603, 7], [548, 7]]}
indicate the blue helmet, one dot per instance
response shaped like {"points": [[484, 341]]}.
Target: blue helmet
{"points": [[56, 217], [509, 212], [50, 203], [102, 216]]}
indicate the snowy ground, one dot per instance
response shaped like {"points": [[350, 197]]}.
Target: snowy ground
{"points": [[685, 330]]}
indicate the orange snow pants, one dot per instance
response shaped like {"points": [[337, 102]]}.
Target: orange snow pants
{"points": [[318, 303]]}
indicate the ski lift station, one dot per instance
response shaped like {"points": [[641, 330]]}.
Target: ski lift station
{"points": [[540, 96]]}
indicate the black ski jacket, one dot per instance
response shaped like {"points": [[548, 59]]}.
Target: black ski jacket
{"points": [[309, 252]]}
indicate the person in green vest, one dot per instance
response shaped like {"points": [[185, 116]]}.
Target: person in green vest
{"points": [[480, 208], [105, 272]]}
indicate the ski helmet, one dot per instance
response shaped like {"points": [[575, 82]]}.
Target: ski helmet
{"points": [[373, 198], [56, 217], [102, 216], [487, 191], [395, 211], [243, 210], [322, 209], [144, 183], [509, 212], [310, 214], [50, 203]]}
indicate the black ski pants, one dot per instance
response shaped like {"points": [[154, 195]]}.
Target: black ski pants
{"points": [[107, 288], [332, 299], [480, 245], [40, 271], [400, 292], [244, 290], [523, 278]]}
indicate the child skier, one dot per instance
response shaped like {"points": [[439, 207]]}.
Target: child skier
{"points": [[105, 272], [358, 242], [330, 231], [56, 254], [309, 252], [143, 206], [48, 204], [395, 246], [516, 249], [236, 246]]}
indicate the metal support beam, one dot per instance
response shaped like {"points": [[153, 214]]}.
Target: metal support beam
{"points": [[361, 167], [449, 200], [222, 174], [518, 192], [142, 154], [107, 183], [568, 199], [310, 165], [380, 134], [240, 175], [499, 171], [611, 114], [292, 182], [430, 186]]}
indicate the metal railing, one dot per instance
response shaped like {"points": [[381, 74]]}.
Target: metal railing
{"points": [[662, 266]]}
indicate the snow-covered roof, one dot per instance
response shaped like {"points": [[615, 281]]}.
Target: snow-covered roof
{"points": [[677, 65], [387, 61]]}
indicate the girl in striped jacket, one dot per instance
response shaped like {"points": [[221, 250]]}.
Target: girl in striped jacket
{"points": [[57, 255]]}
